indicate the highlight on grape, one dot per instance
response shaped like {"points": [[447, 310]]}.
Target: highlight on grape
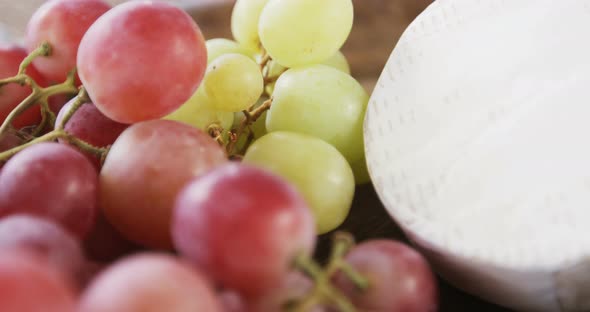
{"points": [[145, 168]]}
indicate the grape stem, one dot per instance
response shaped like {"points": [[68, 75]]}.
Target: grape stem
{"points": [[43, 50], [81, 98], [52, 136], [249, 139], [274, 78], [39, 95], [60, 133], [250, 117], [264, 60], [324, 292], [215, 130]]}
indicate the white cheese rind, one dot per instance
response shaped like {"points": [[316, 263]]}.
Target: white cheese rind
{"points": [[477, 142]]}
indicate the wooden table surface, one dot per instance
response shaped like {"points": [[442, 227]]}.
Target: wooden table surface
{"points": [[378, 26]]}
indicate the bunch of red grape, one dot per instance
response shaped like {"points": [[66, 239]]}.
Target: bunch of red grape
{"points": [[225, 158]]}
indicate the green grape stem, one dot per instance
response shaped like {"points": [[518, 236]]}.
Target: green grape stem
{"points": [[264, 61], [250, 117], [52, 136], [215, 130], [249, 141], [324, 293], [81, 98], [60, 133], [39, 95], [43, 50]]}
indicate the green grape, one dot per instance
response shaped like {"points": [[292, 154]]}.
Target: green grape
{"points": [[198, 112], [244, 22], [314, 167], [274, 70], [304, 32], [220, 46], [233, 82], [270, 88], [339, 62], [323, 102]]}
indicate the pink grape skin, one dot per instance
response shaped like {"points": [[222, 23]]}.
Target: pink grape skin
{"points": [[28, 285], [8, 141], [145, 169], [43, 239], [294, 286], [142, 60], [231, 301], [399, 278], [149, 283], [62, 23], [11, 95], [90, 125], [54, 181], [243, 226], [57, 102]]}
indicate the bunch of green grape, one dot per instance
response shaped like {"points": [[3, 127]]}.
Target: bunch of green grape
{"points": [[281, 96]]}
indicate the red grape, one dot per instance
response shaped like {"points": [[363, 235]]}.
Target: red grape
{"points": [[62, 23], [27, 285], [145, 169], [142, 60], [90, 271], [232, 301], [105, 243], [244, 226], [294, 286], [12, 94], [90, 125], [43, 239], [51, 180], [400, 279], [149, 283], [8, 141], [57, 102]]}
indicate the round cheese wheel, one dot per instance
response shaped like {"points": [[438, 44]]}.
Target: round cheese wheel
{"points": [[477, 141]]}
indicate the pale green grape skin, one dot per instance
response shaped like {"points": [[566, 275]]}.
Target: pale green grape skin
{"points": [[323, 102], [339, 62], [220, 46], [244, 22], [304, 32], [275, 69], [314, 167], [233, 82], [199, 113]]}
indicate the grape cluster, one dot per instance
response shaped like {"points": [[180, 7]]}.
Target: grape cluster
{"points": [[146, 169]]}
